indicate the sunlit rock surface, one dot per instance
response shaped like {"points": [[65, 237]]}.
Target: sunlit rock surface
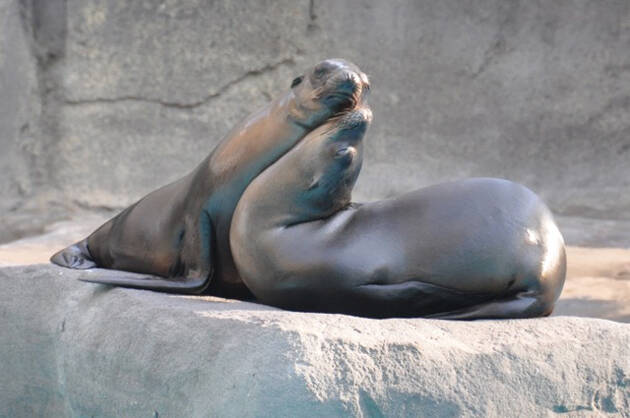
{"points": [[69, 348]]}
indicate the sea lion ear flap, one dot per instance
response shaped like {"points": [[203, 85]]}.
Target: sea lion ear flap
{"points": [[296, 81], [314, 183]]}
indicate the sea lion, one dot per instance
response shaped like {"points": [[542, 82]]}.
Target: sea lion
{"points": [[177, 236], [476, 248]]}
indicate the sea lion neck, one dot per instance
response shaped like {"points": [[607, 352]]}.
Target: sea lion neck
{"points": [[268, 129]]}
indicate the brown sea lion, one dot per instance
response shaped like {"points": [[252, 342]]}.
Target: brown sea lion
{"points": [[177, 236], [477, 248]]}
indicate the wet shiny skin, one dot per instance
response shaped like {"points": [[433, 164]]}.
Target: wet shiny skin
{"points": [[477, 248], [178, 235], [269, 211]]}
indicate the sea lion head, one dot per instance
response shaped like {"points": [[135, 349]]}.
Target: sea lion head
{"points": [[314, 179], [330, 161], [309, 183], [331, 87]]}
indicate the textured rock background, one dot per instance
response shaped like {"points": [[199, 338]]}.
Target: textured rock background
{"points": [[101, 102], [78, 349]]}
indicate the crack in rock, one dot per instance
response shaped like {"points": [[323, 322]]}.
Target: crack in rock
{"points": [[490, 55], [184, 106], [312, 17]]}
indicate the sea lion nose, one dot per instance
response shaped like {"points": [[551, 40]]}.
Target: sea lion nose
{"points": [[360, 117], [353, 82], [340, 83]]}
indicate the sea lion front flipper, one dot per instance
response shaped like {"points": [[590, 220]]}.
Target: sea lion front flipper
{"points": [[145, 281], [75, 256]]}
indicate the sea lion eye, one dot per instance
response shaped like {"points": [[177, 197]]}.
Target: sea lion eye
{"points": [[296, 81]]}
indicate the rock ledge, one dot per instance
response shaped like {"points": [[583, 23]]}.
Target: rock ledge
{"points": [[69, 348]]}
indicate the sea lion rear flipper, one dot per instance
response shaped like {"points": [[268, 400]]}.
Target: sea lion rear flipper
{"points": [[75, 256], [145, 281], [437, 302], [415, 298], [524, 305]]}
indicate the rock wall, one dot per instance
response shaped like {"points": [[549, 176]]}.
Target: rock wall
{"points": [[19, 115], [134, 94], [69, 348]]}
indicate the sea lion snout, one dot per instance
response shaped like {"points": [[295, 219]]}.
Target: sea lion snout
{"points": [[330, 88], [343, 81], [352, 126], [359, 118]]}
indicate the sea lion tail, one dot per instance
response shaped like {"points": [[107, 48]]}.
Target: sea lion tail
{"points": [[76, 256]]}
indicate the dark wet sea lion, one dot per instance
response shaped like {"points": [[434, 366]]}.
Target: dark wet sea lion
{"points": [[178, 235], [477, 248]]}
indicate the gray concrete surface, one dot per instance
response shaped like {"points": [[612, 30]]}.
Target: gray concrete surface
{"points": [[79, 349], [104, 101]]}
